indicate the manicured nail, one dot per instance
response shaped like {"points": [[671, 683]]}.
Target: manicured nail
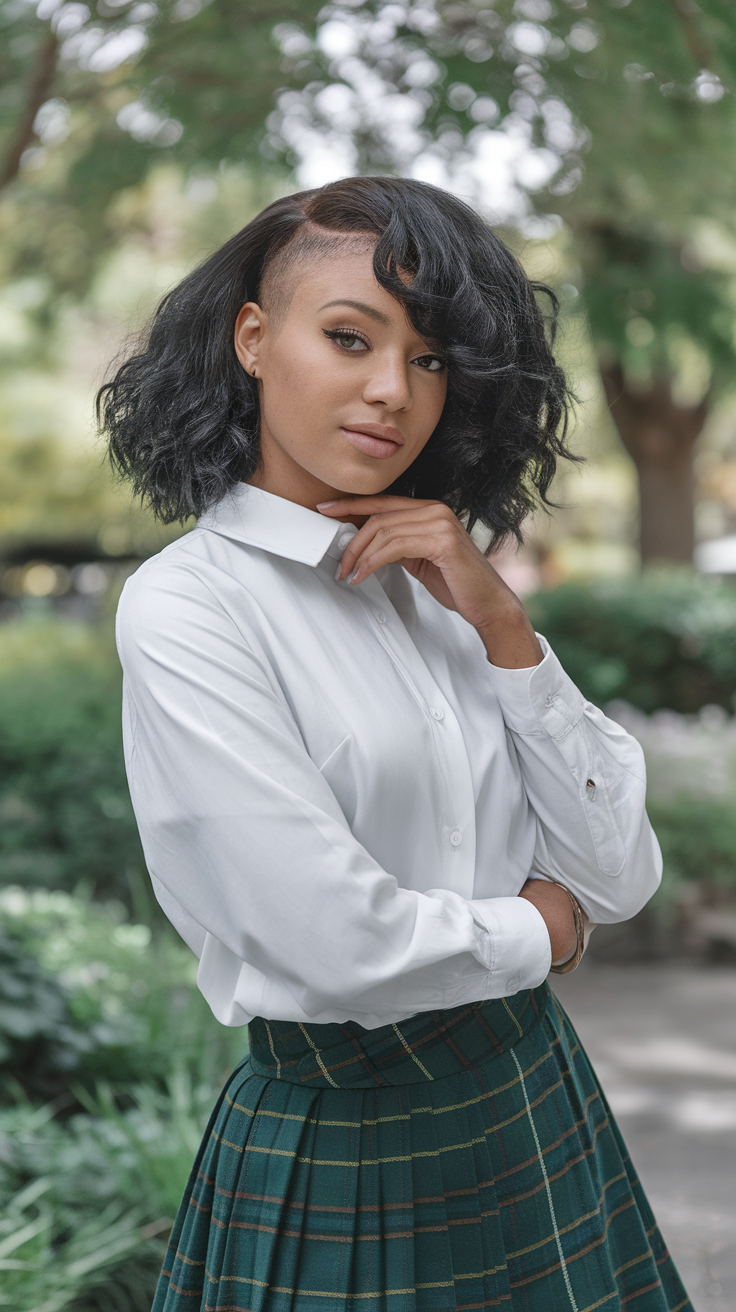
{"points": [[352, 577], [337, 571], [325, 505]]}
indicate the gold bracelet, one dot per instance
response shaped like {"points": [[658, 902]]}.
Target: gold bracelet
{"points": [[574, 961]]}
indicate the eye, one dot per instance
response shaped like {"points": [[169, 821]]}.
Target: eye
{"points": [[432, 363], [347, 339]]}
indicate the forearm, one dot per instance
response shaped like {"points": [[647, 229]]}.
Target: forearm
{"points": [[555, 908], [508, 635], [585, 781]]}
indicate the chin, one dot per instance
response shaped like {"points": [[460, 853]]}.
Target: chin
{"points": [[362, 482]]}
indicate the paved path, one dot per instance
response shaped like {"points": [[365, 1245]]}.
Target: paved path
{"points": [[663, 1041]]}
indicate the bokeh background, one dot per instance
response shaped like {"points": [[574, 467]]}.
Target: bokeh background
{"points": [[599, 137]]}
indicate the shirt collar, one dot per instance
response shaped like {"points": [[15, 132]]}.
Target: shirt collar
{"points": [[261, 519]]}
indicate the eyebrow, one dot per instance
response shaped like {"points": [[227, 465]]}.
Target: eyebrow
{"points": [[370, 310]]}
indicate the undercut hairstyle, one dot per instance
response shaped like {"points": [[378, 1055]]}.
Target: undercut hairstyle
{"points": [[182, 415]]}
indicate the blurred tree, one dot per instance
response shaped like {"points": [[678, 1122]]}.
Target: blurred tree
{"points": [[626, 113], [90, 102]]}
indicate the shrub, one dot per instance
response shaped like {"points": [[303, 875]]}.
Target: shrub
{"points": [[663, 639], [39, 1042], [87, 995], [691, 778], [86, 1206], [65, 815]]}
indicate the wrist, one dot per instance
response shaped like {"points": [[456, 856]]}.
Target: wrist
{"points": [[554, 904], [509, 638]]}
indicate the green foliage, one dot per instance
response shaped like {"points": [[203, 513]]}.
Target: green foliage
{"points": [[66, 815], [663, 639], [121, 91], [86, 1204], [86, 1200], [39, 1043], [86, 995], [698, 840]]}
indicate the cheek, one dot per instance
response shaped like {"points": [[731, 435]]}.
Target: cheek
{"points": [[298, 384], [428, 404]]}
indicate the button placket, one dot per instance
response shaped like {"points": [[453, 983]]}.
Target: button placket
{"points": [[449, 750]]}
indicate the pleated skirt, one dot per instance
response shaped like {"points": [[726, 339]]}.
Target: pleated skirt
{"points": [[461, 1159]]}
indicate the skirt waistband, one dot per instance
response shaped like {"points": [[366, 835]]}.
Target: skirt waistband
{"points": [[428, 1046]]}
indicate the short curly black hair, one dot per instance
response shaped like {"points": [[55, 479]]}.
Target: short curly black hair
{"points": [[182, 415]]}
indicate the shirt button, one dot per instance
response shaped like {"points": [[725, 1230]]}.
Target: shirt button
{"points": [[344, 540], [456, 838], [381, 617], [436, 713]]}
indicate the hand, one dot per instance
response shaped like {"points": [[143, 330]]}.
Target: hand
{"points": [[555, 908], [432, 545]]}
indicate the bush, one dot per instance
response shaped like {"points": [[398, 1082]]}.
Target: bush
{"points": [[86, 1206], [39, 1042], [66, 820], [663, 639], [698, 841], [86, 995], [691, 778]]}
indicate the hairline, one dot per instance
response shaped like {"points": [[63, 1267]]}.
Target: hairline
{"points": [[309, 242]]}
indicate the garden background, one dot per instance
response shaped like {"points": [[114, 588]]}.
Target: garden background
{"points": [[598, 136]]}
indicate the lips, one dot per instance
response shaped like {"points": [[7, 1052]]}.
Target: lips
{"points": [[377, 440]]}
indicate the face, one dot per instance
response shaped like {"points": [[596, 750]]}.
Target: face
{"points": [[349, 392]]}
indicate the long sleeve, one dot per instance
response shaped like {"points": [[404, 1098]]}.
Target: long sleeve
{"points": [[252, 856], [585, 779]]}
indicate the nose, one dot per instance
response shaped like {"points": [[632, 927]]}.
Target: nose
{"points": [[389, 381]]}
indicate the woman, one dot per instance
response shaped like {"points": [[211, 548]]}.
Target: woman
{"points": [[370, 799]]}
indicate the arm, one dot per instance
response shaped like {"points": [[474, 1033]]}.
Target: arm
{"points": [[583, 774], [586, 781], [243, 833]]}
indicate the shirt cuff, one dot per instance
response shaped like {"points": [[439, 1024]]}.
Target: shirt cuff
{"points": [[519, 950], [540, 699]]}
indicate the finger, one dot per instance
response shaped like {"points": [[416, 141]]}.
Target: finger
{"points": [[385, 525], [401, 546], [369, 505]]}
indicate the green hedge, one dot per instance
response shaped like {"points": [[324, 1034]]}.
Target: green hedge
{"points": [[65, 815], [698, 840], [661, 639], [86, 995], [87, 1203]]}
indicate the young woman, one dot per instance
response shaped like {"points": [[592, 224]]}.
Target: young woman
{"points": [[370, 798]]}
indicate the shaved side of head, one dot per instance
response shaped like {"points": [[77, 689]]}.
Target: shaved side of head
{"points": [[310, 243]]}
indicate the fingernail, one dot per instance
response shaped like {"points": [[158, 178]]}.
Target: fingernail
{"points": [[337, 571], [325, 505], [352, 577]]}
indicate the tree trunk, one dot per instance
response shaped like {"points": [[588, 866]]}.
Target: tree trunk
{"points": [[660, 437], [39, 87]]}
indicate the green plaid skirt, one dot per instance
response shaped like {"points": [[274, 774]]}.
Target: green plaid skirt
{"points": [[462, 1159]]}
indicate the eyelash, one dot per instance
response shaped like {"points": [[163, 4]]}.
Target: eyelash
{"points": [[335, 333]]}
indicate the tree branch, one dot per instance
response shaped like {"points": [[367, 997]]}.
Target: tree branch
{"points": [[38, 93], [686, 11]]}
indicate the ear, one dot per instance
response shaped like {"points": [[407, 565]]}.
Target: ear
{"points": [[250, 328]]}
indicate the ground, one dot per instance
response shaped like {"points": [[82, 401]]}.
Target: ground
{"points": [[662, 1038]]}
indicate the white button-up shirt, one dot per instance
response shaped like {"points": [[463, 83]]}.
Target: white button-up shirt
{"points": [[339, 796]]}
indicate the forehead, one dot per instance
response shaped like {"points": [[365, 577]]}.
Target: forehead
{"points": [[343, 276]]}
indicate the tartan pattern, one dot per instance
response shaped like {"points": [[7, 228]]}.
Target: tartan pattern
{"points": [[463, 1159]]}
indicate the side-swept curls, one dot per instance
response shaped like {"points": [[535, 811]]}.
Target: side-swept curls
{"points": [[182, 415]]}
